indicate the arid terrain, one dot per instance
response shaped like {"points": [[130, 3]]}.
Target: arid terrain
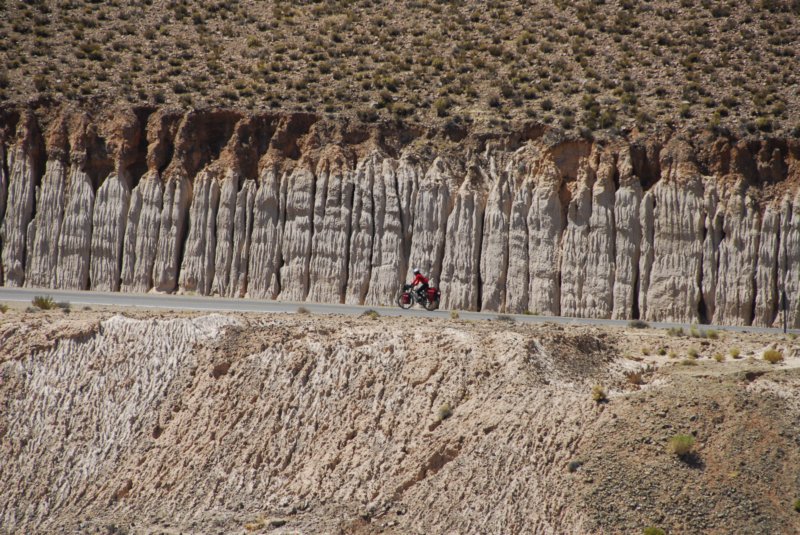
{"points": [[152, 422], [603, 66]]}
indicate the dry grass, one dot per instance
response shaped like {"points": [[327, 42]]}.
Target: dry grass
{"points": [[773, 356], [581, 65]]}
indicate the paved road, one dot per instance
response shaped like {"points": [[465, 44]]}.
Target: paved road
{"points": [[221, 304]]}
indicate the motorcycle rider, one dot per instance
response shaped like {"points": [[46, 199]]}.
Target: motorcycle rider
{"points": [[422, 280]]}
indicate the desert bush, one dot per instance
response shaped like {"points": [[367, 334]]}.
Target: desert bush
{"points": [[681, 445], [303, 310], [3, 308], [797, 505], [661, 351], [573, 465], [651, 530], [43, 302], [673, 354], [689, 362], [712, 334], [735, 352], [719, 357], [693, 353], [634, 378], [454, 315], [599, 394], [675, 331], [371, 314], [506, 318], [773, 356], [638, 324], [445, 412], [646, 351]]}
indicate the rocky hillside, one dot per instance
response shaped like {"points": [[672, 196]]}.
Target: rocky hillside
{"points": [[292, 423], [594, 65], [298, 207]]}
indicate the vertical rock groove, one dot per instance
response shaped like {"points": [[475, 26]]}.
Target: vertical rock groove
{"points": [[295, 208]]}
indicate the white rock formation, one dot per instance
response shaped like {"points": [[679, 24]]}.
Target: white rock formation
{"points": [[265, 242], [628, 239], [174, 210], [297, 231], [460, 282], [141, 233], [225, 227], [738, 254], [387, 265], [330, 245], [74, 243], [494, 259], [766, 280], [242, 232], [362, 230], [108, 232], [197, 269], [40, 271], [545, 223], [23, 175]]}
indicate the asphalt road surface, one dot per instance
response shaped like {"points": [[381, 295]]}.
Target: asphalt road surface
{"points": [[222, 304]]}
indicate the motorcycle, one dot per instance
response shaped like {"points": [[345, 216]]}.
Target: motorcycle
{"points": [[429, 299]]}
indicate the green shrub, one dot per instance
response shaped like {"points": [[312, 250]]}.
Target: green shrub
{"points": [[712, 334], [773, 356], [599, 394], [371, 314], [681, 445], [650, 530], [43, 302], [445, 412], [797, 505], [661, 351]]}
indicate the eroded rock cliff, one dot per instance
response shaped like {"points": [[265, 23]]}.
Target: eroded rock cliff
{"points": [[296, 207]]}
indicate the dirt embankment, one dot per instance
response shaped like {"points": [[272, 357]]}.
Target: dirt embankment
{"points": [[275, 423]]}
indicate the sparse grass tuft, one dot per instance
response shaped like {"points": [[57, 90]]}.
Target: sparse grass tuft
{"points": [[634, 378], [454, 315], [693, 353], [675, 331], [661, 351], [735, 352], [371, 314], [681, 445], [638, 324], [3, 308], [506, 318], [712, 334], [797, 505], [303, 310], [599, 394], [719, 357], [773, 356], [673, 354], [445, 412], [689, 362], [650, 530], [43, 302]]}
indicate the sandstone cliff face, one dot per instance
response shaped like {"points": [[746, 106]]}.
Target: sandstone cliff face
{"points": [[293, 208]]}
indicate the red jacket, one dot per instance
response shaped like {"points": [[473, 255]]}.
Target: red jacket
{"points": [[419, 279]]}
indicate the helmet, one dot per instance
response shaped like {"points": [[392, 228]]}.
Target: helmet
{"points": [[415, 270]]}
